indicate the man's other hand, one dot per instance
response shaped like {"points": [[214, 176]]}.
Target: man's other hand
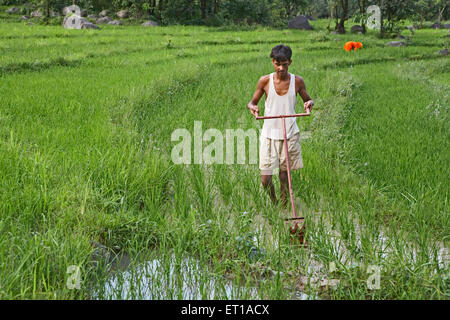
{"points": [[253, 109], [308, 106]]}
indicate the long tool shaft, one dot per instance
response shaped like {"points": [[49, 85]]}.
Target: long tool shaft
{"points": [[291, 193], [295, 227]]}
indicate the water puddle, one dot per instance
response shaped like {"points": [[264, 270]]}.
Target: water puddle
{"points": [[160, 279], [187, 279]]}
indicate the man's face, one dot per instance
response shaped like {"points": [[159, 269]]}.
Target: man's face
{"points": [[281, 67]]}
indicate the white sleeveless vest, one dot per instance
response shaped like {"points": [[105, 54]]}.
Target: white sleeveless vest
{"points": [[279, 105]]}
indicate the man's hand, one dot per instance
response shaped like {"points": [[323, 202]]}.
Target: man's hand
{"points": [[308, 106], [253, 109]]}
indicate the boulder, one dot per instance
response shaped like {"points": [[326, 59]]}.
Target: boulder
{"points": [[83, 13], [36, 14], [103, 13], [103, 20], [115, 22], [396, 44], [356, 29], [122, 14], [447, 26], [299, 22], [150, 23], [443, 52], [93, 16], [435, 25], [24, 18], [89, 25], [13, 10]]}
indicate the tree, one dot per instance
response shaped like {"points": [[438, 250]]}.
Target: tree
{"points": [[362, 4], [344, 16], [442, 5]]}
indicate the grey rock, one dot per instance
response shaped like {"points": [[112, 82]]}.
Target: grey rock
{"points": [[103, 20], [443, 52], [13, 10], [101, 253], [122, 14], [83, 13], [396, 44], [93, 16], [89, 25], [356, 29], [36, 14], [400, 37], [150, 23], [24, 18], [447, 26], [103, 13], [299, 22], [435, 25], [115, 22]]}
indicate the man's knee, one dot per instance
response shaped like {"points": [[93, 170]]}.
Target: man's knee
{"points": [[283, 176], [266, 180]]}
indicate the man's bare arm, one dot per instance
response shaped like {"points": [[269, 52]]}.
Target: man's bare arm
{"points": [[253, 104], [308, 102]]}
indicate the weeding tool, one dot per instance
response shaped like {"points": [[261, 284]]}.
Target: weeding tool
{"points": [[295, 228]]}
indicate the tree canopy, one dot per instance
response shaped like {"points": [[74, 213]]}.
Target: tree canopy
{"points": [[265, 12]]}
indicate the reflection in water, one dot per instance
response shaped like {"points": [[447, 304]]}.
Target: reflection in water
{"points": [[171, 279], [186, 279]]}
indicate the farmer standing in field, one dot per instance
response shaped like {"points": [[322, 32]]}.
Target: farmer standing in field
{"points": [[281, 88]]}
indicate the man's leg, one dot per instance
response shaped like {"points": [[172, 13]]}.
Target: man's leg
{"points": [[266, 181], [284, 186]]}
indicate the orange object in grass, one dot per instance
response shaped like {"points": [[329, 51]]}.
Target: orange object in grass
{"points": [[352, 45]]}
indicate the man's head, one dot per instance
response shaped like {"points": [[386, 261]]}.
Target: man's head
{"points": [[281, 59]]}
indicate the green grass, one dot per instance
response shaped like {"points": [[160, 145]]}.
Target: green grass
{"points": [[85, 155]]}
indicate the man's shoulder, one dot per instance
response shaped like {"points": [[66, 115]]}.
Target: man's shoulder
{"points": [[298, 79], [263, 80]]}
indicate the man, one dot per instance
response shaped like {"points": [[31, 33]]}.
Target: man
{"points": [[281, 89]]}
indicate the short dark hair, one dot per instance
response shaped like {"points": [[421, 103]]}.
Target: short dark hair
{"points": [[281, 52]]}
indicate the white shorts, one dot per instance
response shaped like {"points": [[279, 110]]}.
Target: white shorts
{"points": [[272, 154]]}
